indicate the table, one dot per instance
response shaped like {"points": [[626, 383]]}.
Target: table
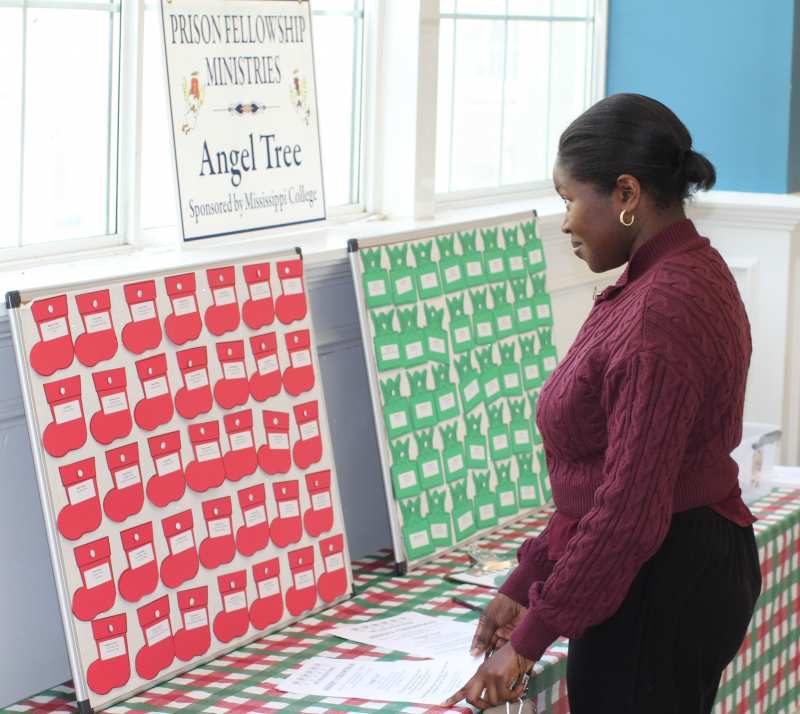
{"points": [[763, 679]]}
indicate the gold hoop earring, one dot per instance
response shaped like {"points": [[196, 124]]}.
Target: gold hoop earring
{"points": [[622, 219]]}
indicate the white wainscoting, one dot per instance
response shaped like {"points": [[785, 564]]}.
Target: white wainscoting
{"points": [[759, 238]]}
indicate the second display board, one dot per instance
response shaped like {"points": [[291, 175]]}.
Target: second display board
{"points": [[458, 337]]}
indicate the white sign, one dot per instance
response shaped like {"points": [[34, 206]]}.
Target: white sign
{"points": [[240, 77]]}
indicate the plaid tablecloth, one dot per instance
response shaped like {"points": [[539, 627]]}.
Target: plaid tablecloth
{"points": [[763, 679]]}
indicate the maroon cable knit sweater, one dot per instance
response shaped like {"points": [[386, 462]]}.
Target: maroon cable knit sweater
{"points": [[638, 422]]}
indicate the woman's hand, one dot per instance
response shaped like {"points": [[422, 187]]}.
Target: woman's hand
{"points": [[496, 624], [499, 679]]}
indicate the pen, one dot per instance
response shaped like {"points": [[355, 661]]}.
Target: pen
{"points": [[468, 605]]}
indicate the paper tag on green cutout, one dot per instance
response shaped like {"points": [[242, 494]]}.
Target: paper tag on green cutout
{"points": [[476, 454], [535, 256], [446, 399], [532, 374], [429, 284], [511, 380], [461, 336], [404, 479], [376, 289], [464, 520], [397, 418], [506, 500], [388, 352], [423, 410], [417, 539], [485, 510], [495, 265], [452, 273], [474, 269], [471, 393], [525, 315], [429, 468], [543, 310], [521, 437], [499, 443], [515, 260], [437, 345], [404, 291], [483, 322], [414, 351], [440, 530], [529, 492], [455, 466], [492, 385], [548, 360], [504, 321]]}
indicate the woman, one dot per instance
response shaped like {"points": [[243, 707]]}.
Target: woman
{"points": [[649, 563]]}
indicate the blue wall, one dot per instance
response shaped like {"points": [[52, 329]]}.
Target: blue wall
{"points": [[794, 132], [725, 68]]}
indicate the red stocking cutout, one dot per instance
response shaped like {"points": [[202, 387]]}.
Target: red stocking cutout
{"points": [[181, 565], [183, 324], [302, 596], [113, 421], [223, 315], [319, 518], [333, 582], [99, 339], [194, 397], [308, 450], [241, 460], [158, 652], [194, 638], [167, 484], [267, 608], [288, 526], [234, 620], [258, 311], [67, 431], [112, 668], [266, 381], [254, 534], [299, 377], [82, 513], [98, 593], [127, 496], [219, 547], [141, 576], [233, 389], [143, 332], [54, 350], [156, 407], [275, 457], [291, 304], [208, 468]]}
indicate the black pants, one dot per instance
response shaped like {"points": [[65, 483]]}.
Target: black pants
{"points": [[682, 622]]}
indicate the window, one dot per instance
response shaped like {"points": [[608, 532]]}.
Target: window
{"points": [[59, 107], [512, 75]]}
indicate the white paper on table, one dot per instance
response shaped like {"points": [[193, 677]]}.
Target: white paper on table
{"points": [[414, 633], [418, 682]]}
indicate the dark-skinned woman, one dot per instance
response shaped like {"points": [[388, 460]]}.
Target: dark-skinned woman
{"points": [[649, 563]]}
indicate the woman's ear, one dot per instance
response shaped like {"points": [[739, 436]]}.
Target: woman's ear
{"points": [[627, 192]]}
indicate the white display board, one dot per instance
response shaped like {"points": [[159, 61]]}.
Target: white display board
{"points": [[243, 106], [457, 331], [184, 462]]}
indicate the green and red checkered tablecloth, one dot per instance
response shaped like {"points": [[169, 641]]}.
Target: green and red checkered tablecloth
{"points": [[763, 679]]}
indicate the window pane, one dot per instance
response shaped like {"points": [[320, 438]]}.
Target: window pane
{"points": [[532, 8], [479, 50], [570, 8], [444, 105], [71, 104], [568, 85], [525, 115], [337, 59], [10, 123], [159, 202], [481, 7]]}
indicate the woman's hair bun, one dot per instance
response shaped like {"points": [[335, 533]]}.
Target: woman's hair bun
{"points": [[699, 171]]}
